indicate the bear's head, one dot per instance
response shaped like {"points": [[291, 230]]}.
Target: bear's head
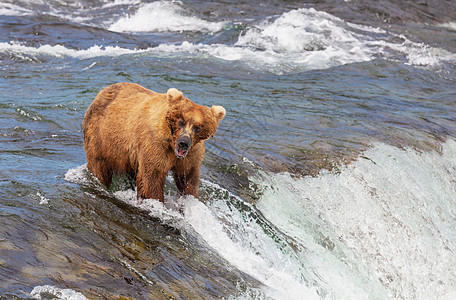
{"points": [[189, 122]]}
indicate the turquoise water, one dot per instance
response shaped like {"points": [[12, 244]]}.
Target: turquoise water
{"points": [[331, 177]]}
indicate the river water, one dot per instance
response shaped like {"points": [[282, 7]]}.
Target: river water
{"points": [[333, 175]]}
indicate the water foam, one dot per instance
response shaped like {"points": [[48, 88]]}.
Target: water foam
{"points": [[394, 209], [60, 51], [121, 2], [302, 39], [43, 199], [48, 292], [7, 9], [416, 54], [298, 40], [307, 36], [449, 25], [163, 16], [307, 39]]}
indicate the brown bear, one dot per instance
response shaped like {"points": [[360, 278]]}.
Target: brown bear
{"points": [[132, 130]]}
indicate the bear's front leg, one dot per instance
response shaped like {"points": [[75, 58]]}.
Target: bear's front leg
{"points": [[187, 182], [150, 185]]}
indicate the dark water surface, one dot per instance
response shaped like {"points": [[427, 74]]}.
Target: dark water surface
{"points": [[331, 177]]}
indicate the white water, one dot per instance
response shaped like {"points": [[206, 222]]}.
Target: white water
{"points": [[163, 16], [381, 227], [7, 9], [60, 51], [394, 209], [51, 292], [302, 39], [306, 39], [449, 25], [298, 40]]}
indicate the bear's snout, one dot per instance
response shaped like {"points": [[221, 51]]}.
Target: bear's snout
{"points": [[183, 144]]}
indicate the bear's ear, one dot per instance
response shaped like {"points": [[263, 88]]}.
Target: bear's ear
{"points": [[218, 111], [174, 95]]}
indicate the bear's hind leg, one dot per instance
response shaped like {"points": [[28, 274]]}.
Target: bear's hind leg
{"points": [[102, 171]]}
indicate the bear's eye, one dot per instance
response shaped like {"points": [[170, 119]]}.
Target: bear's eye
{"points": [[181, 123], [197, 129]]}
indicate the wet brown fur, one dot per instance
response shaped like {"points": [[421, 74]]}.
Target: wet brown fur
{"points": [[132, 130]]}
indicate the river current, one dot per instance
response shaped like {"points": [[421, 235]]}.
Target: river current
{"points": [[333, 175]]}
